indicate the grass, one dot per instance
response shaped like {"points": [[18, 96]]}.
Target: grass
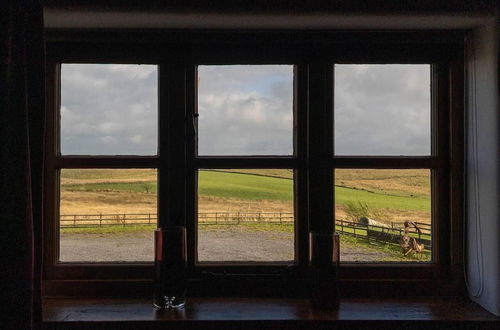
{"points": [[108, 229], [244, 186], [249, 227], [392, 250], [99, 175], [254, 186], [400, 192], [147, 187], [406, 182], [381, 201], [277, 173], [363, 232]]}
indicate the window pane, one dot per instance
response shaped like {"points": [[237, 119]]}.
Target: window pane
{"points": [[371, 208], [382, 110], [245, 215], [245, 110], [107, 215], [109, 109]]}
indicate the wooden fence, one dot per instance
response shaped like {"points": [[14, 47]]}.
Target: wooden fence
{"points": [[385, 234], [215, 218], [99, 220]]}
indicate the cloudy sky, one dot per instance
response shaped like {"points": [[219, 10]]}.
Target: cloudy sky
{"points": [[108, 109], [245, 110], [382, 110]]}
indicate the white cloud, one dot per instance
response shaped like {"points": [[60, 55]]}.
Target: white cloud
{"points": [[136, 139], [245, 109], [109, 127], [109, 139], [105, 107], [382, 109], [80, 129]]}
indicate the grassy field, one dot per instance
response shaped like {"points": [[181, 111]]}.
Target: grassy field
{"points": [[244, 186], [381, 201], [113, 186], [403, 191], [396, 195]]}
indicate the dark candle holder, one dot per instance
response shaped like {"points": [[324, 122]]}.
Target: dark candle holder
{"points": [[170, 268], [324, 266]]}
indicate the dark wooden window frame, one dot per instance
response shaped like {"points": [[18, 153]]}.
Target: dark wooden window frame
{"points": [[313, 55]]}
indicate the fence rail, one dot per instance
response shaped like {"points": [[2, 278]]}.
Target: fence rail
{"points": [[92, 220], [386, 234], [383, 234], [239, 217]]}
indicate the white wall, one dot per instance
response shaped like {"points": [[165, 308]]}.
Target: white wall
{"points": [[483, 167]]}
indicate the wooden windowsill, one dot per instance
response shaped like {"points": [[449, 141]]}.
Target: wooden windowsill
{"points": [[259, 313]]}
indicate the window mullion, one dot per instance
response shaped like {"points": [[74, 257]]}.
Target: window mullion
{"points": [[172, 150], [441, 175], [191, 170], [300, 147], [320, 149]]}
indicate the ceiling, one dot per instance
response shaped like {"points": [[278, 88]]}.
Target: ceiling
{"points": [[130, 15]]}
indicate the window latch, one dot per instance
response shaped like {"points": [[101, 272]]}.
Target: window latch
{"points": [[194, 132]]}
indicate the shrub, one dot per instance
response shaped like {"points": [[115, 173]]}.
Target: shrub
{"points": [[356, 211]]}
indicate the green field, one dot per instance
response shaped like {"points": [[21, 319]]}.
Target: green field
{"points": [[113, 186], [252, 186], [244, 186], [380, 200], [392, 196]]}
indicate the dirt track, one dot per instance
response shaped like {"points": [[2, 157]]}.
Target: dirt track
{"points": [[231, 245]]}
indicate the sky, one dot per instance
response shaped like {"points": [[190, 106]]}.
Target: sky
{"points": [[382, 110], [109, 109]]}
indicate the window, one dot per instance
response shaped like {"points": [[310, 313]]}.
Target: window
{"points": [[383, 110], [251, 151], [245, 214], [107, 214]]}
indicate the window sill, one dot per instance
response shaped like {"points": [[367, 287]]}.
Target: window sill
{"points": [[265, 313]]}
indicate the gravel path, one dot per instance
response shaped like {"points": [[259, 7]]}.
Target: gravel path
{"points": [[230, 245]]}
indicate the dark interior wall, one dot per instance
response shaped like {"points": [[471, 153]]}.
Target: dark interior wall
{"points": [[361, 6]]}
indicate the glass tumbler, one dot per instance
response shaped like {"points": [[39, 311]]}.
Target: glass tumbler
{"points": [[170, 268], [324, 259]]}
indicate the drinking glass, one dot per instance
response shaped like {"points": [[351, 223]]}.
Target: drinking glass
{"points": [[324, 266], [170, 268]]}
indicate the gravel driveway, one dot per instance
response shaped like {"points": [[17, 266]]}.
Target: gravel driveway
{"points": [[228, 245]]}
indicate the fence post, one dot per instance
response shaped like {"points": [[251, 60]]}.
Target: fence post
{"points": [[100, 219], [74, 220], [123, 219], [342, 225], [280, 218], [215, 217], [355, 230], [149, 218]]}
